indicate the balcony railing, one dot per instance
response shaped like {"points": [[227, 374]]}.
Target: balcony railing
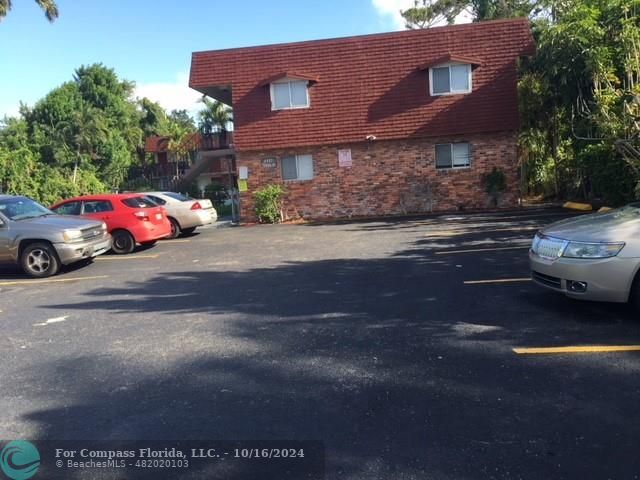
{"points": [[216, 141]]}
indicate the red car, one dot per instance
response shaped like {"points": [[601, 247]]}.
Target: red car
{"points": [[130, 217]]}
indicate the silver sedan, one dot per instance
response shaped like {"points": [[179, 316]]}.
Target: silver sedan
{"points": [[592, 257], [184, 213]]}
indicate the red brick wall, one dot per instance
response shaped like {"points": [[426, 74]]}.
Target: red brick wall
{"points": [[391, 177]]}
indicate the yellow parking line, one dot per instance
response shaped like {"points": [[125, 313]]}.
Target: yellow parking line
{"points": [[514, 229], [498, 280], [467, 230], [127, 257], [472, 250], [581, 349], [53, 280]]}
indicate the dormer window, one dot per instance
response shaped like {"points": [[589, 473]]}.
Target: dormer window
{"points": [[286, 94], [450, 79]]}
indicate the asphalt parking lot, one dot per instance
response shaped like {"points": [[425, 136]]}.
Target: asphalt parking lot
{"points": [[390, 341]]}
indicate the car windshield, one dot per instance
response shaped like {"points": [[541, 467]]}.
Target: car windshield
{"points": [[22, 208], [139, 202], [178, 196]]}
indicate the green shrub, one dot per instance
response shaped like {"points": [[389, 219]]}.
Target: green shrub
{"points": [[217, 193], [610, 178], [224, 210], [193, 191], [495, 183], [269, 203]]}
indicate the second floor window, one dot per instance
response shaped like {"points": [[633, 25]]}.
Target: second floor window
{"points": [[450, 79], [289, 94]]}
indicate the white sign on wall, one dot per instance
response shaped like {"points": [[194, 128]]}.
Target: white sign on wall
{"points": [[344, 158], [243, 173]]}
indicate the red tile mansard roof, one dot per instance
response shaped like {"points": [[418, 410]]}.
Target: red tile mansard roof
{"points": [[369, 85]]}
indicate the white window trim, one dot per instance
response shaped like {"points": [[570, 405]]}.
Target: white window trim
{"points": [[451, 92], [297, 179], [452, 167], [288, 80]]}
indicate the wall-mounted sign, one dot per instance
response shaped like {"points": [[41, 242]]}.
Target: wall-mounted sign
{"points": [[344, 158], [269, 162], [243, 173], [243, 185]]}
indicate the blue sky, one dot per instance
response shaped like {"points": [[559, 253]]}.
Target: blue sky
{"points": [[150, 41]]}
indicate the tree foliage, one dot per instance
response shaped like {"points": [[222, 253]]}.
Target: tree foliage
{"points": [[214, 117], [82, 137], [49, 7], [579, 96], [580, 103], [428, 13]]}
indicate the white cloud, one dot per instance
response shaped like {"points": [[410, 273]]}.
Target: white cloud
{"points": [[390, 10], [172, 96]]}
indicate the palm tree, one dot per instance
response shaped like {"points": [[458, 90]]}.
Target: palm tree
{"points": [[181, 143], [48, 6], [215, 117], [86, 129]]}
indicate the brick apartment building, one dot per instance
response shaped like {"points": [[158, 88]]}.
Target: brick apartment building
{"points": [[382, 124]]}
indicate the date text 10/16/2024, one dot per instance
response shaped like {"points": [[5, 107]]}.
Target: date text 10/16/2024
{"points": [[174, 453]]}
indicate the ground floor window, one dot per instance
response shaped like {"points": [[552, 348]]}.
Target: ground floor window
{"points": [[453, 155], [297, 167]]}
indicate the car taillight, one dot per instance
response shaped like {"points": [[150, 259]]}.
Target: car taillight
{"points": [[196, 206], [142, 215]]}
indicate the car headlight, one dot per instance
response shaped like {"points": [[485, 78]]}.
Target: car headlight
{"points": [[104, 226], [535, 243], [592, 250], [71, 235]]}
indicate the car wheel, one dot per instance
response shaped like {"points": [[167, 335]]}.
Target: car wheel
{"points": [[188, 231], [175, 228], [40, 260], [123, 242]]}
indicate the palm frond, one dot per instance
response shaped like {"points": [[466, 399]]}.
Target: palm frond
{"points": [[5, 6], [50, 9]]}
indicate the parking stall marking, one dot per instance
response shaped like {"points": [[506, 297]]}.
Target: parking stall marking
{"points": [[474, 250], [176, 241], [126, 257], [51, 321], [54, 280], [577, 349], [497, 280], [478, 230]]}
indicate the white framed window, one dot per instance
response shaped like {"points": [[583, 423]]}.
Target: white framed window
{"points": [[453, 155], [297, 167], [450, 79], [289, 94]]}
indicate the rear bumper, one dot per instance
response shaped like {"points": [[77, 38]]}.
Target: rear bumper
{"points": [[74, 252], [146, 231], [197, 218], [607, 280]]}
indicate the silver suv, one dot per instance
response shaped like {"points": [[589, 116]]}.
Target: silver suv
{"points": [[41, 241]]}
